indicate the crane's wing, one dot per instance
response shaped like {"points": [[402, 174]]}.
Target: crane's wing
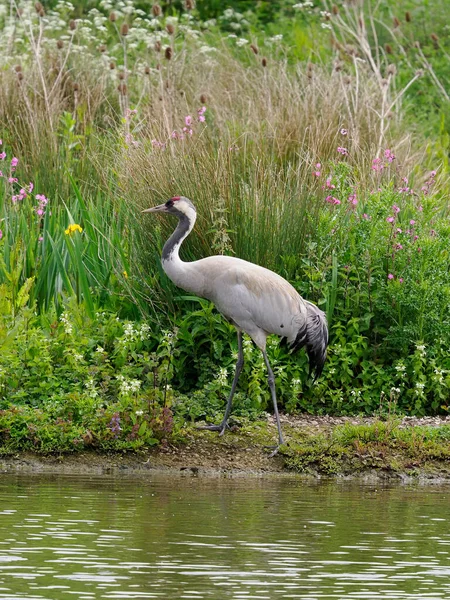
{"points": [[260, 302]]}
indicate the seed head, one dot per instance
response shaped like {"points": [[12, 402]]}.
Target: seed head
{"points": [[408, 16], [20, 76], [264, 61], [170, 29], [38, 7], [124, 29], [434, 37], [147, 70], [156, 10], [59, 44], [18, 68], [168, 52], [112, 66], [396, 22], [76, 87], [335, 9], [190, 4], [121, 75], [384, 82], [254, 48], [203, 99], [347, 80], [42, 13], [337, 65], [112, 17], [122, 87], [102, 48], [392, 69], [72, 25], [157, 46]]}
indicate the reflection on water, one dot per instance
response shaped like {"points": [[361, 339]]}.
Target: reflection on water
{"points": [[114, 538]]}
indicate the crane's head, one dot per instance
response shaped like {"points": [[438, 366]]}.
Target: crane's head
{"points": [[179, 206]]}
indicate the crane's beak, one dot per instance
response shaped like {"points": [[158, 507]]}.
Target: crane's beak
{"points": [[159, 208]]}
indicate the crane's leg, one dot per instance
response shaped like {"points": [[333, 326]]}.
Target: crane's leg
{"points": [[271, 380], [240, 362]]}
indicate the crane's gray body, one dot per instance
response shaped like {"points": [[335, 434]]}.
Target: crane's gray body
{"points": [[256, 300]]}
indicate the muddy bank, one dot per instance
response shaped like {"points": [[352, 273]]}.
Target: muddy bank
{"points": [[405, 449]]}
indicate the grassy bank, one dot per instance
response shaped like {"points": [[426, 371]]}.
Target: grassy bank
{"points": [[316, 447], [300, 153]]}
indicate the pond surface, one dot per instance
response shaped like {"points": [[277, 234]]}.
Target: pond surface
{"points": [[77, 537]]}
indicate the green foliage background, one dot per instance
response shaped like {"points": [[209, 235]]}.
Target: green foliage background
{"points": [[97, 346]]}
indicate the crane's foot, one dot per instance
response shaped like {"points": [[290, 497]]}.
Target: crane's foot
{"points": [[275, 449], [220, 428]]}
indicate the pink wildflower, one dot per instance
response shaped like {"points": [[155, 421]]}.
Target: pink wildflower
{"points": [[366, 216], [1, 173], [12, 180], [390, 219], [342, 151], [40, 238], [1, 232], [14, 162], [396, 209], [174, 135], [318, 165], [399, 230], [420, 208], [389, 155], [412, 222], [329, 185], [30, 187], [344, 131], [400, 279], [188, 120], [377, 165], [398, 247], [202, 110], [317, 173], [432, 232], [2, 155], [201, 118], [390, 276], [352, 199]]}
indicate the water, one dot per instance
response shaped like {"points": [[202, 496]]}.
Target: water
{"points": [[171, 538]]}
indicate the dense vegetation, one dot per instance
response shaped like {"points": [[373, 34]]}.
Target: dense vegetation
{"points": [[314, 140]]}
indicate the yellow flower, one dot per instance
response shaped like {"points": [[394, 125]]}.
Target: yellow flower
{"points": [[125, 274], [72, 228]]}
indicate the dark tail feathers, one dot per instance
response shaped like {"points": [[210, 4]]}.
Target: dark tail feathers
{"points": [[313, 335]]}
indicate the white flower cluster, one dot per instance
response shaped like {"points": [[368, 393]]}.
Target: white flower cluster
{"points": [[90, 388], [222, 376], [421, 349], [132, 333], [68, 327], [275, 39], [128, 386], [419, 388], [302, 5]]}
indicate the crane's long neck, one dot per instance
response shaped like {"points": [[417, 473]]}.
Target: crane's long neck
{"points": [[175, 268]]}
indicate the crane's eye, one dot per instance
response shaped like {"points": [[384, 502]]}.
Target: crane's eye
{"points": [[169, 203]]}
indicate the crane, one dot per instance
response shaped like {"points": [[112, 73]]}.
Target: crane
{"points": [[254, 299]]}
